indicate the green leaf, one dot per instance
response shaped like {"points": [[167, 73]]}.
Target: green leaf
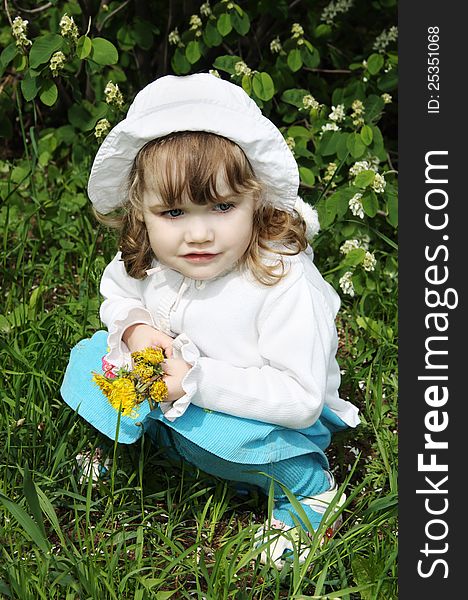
{"points": [[342, 151], [299, 131], [388, 81], [354, 257], [192, 52], [294, 96], [322, 30], [370, 204], [373, 106], [326, 209], [32, 499], [7, 55], [355, 145], [392, 206], [364, 178], [247, 84], [29, 87], [310, 56], [179, 62], [240, 23], [211, 35], [307, 176], [226, 63], [341, 199], [294, 60], [224, 24], [49, 93], [43, 48], [103, 52], [263, 86], [20, 62], [367, 135], [374, 63], [329, 142], [126, 38], [143, 34], [83, 47], [30, 527]]}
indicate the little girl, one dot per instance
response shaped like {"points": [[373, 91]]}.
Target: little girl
{"points": [[214, 267]]}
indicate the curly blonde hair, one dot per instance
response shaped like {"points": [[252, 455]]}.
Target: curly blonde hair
{"points": [[200, 156]]}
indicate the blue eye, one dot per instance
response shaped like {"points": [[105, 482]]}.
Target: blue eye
{"points": [[173, 213], [223, 207]]}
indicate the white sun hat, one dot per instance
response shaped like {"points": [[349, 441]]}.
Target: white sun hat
{"points": [[199, 102]]}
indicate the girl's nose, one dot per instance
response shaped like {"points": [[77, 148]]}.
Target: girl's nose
{"points": [[199, 231]]}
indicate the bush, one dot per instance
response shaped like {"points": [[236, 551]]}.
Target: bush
{"points": [[326, 74]]}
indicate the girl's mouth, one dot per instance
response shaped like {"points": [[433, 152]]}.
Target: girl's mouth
{"points": [[200, 257]]}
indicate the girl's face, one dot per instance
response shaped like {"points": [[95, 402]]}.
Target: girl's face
{"points": [[200, 241]]}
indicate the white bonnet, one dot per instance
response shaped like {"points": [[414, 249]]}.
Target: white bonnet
{"points": [[200, 102]]}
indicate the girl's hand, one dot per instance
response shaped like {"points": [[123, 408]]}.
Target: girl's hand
{"points": [[175, 370], [141, 336]]}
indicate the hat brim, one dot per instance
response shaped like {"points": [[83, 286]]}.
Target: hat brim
{"points": [[272, 161]]}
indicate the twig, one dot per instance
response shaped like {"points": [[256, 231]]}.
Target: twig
{"points": [[111, 14], [34, 10], [5, 3], [333, 71]]}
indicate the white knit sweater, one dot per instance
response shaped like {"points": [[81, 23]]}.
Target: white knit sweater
{"points": [[258, 352]]}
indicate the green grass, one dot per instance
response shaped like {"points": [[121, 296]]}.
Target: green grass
{"points": [[154, 529]]}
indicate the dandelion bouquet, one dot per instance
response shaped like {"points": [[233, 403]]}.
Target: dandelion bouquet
{"points": [[126, 389]]}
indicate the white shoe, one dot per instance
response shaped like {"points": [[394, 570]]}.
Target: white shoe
{"points": [[92, 466], [283, 541]]}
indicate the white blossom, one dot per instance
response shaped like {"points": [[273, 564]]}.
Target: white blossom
{"points": [[385, 38], [275, 45], [214, 72], [358, 107], [379, 183], [358, 167], [333, 9], [68, 27], [337, 113], [174, 37], [369, 262], [57, 62], [355, 206], [18, 31], [297, 30], [349, 245], [330, 127], [358, 111], [346, 283], [102, 129], [329, 172], [113, 94], [241, 68], [195, 22], [205, 9], [386, 98], [291, 143], [310, 102]]}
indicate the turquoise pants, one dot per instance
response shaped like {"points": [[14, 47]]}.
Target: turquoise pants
{"points": [[303, 475]]}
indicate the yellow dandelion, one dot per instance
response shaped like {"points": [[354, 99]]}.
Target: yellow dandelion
{"points": [[105, 385], [151, 355], [143, 372], [123, 396], [158, 391]]}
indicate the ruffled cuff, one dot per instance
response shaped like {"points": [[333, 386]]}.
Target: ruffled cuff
{"points": [[119, 353], [185, 349]]}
